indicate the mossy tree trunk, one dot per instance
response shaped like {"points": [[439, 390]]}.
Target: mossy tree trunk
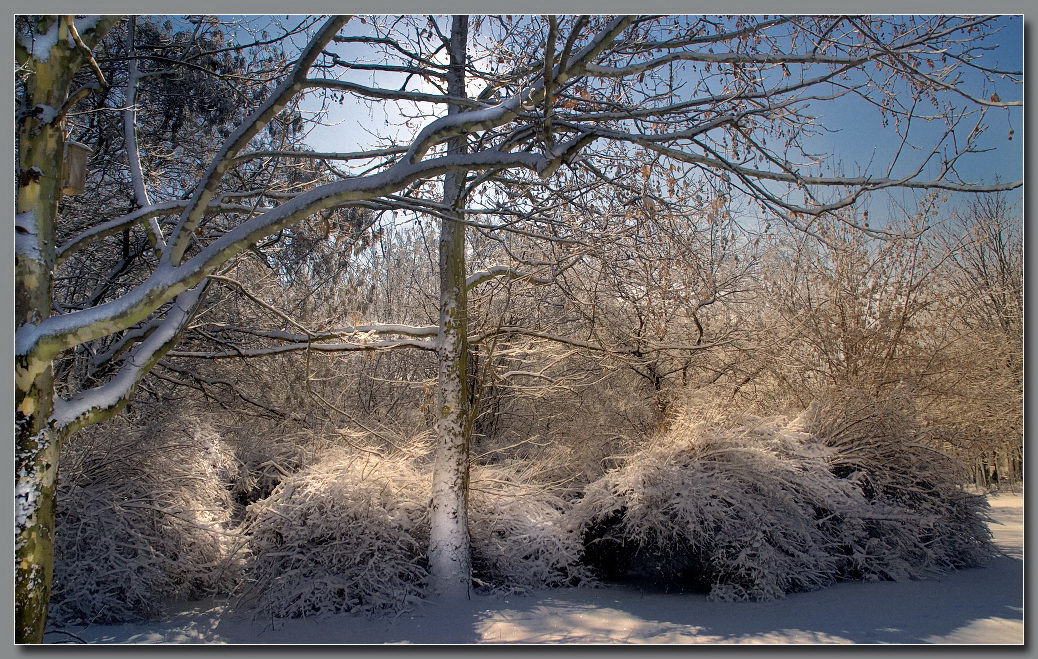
{"points": [[41, 142], [449, 546]]}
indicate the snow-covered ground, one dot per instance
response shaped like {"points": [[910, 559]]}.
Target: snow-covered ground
{"points": [[971, 606]]}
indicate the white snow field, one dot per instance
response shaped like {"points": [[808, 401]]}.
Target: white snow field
{"points": [[982, 605]]}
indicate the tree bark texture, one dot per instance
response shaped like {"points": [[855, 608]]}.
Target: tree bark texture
{"points": [[41, 142], [450, 559]]}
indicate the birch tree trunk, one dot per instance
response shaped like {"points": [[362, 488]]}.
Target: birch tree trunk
{"points": [[41, 141], [450, 558]]}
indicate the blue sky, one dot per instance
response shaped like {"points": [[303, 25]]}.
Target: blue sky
{"points": [[856, 139], [859, 135], [858, 143]]}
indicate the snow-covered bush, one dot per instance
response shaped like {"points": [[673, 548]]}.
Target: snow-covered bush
{"points": [[519, 536], [758, 508], [143, 516], [730, 509], [878, 444], [346, 534], [267, 454], [350, 532]]}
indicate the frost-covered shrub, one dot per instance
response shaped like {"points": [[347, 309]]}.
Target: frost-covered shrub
{"points": [[519, 536], [350, 534], [935, 524], [760, 508], [143, 516], [346, 534], [267, 456], [734, 510]]}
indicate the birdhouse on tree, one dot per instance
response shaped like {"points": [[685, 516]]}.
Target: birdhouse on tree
{"points": [[74, 167]]}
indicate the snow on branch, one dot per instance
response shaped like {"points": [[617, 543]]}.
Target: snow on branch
{"points": [[133, 158], [38, 46], [128, 339], [85, 52], [107, 399], [388, 344], [146, 213], [323, 155], [416, 331], [351, 339], [43, 341], [461, 123], [390, 94], [557, 338], [481, 276], [56, 333], [240, 138]]}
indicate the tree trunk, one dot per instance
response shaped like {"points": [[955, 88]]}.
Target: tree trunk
{"points": [[40, 145], [450, 560]]}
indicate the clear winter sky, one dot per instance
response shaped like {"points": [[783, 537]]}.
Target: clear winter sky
{"points": [[860, 137], [858, 141]]}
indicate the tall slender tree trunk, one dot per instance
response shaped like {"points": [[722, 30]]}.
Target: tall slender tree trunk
{"points": [[41, 142], [450, 559]]}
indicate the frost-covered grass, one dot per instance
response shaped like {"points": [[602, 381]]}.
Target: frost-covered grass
{"points": [[144, 516], [757, 508]]}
